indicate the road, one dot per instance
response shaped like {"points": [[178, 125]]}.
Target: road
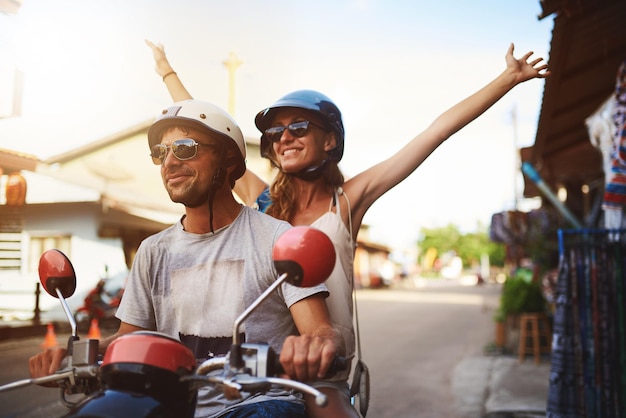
{"points": [[31, 401], [411, 338]]}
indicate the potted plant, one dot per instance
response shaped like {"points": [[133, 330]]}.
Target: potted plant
{"points": [[520, 293], [500, 321]]}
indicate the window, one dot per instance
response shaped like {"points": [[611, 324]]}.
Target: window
{"points": [[10, 251], [39, 244]]}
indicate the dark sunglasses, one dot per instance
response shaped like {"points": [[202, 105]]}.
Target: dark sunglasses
{"points": [[296, 129], [183, 149]]}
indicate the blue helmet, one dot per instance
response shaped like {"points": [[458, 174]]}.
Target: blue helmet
{"points": [[309, 100]]}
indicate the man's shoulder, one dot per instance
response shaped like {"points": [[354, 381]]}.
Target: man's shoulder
{"points": [[159, 236], [261, 217]]}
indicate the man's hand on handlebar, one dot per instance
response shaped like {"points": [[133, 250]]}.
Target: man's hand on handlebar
{"points": [[46, 363], [306, 358]]}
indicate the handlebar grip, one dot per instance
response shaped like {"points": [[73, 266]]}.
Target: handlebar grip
{"points": [[65, 362], [339, 364]]}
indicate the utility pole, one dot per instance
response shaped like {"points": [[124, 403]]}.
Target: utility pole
{"points": [[18, 88], [232, 63]]}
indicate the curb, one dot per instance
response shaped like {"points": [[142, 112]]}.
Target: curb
{"points": [[22, 331], [28, 329]]}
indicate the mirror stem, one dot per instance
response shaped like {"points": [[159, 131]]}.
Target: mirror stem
{"points": [[68, 313], [253, 306], [236, 358]]}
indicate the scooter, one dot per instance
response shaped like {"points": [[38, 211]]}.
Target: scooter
{"points": [[101, 305], [150, 374]]}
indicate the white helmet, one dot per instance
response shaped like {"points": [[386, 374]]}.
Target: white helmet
{"points": [[205, 116]]}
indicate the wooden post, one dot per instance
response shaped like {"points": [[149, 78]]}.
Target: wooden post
{"points": [[37, 316]]}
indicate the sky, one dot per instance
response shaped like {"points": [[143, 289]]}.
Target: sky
{"points": [[391, 66]]}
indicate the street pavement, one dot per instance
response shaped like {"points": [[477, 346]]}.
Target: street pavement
{"points": [[497, 384]]}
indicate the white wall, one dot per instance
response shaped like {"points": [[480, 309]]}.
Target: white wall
{"points": [[89, 254]]}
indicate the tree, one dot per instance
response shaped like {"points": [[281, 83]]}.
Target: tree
{"points": [[470, 247]]}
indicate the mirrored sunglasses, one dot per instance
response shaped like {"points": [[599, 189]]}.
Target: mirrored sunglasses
{"points": [[296, 129], [183, 149]]}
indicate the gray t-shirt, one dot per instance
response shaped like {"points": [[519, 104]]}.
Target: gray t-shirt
{"points": [[193, 287]]}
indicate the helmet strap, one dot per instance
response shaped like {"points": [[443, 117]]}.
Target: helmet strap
{"points": [[216, 182], [313, 173], [212, 191]]}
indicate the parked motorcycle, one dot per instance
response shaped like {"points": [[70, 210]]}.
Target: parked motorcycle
{"points": [[150, 374], [101, 303]]}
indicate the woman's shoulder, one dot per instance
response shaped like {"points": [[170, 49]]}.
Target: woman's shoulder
{"points": [[263, 201]]}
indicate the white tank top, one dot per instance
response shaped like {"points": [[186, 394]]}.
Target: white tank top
{"points": [[340, 282]]}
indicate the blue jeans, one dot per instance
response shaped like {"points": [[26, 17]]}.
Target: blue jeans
{"points": [[269, 409]]}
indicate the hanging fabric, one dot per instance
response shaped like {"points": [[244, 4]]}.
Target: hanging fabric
{"points": [[588, 370]]}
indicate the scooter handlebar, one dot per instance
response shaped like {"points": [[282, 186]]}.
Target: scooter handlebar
{"points": [[339, 364]]}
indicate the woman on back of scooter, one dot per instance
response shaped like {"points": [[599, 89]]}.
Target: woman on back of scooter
{"points": [[303, 136]]}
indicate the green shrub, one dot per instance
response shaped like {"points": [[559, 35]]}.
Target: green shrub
{"points": [[520, 294]]}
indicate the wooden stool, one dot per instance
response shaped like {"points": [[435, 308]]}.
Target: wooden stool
{"points": [[541, 335]]}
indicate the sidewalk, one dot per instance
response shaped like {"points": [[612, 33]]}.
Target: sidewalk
{"points": [[21, 329], [24, 328], [501, 387]]}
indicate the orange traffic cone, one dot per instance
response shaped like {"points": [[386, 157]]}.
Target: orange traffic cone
{"points": [[94, 330], [50, 341]]}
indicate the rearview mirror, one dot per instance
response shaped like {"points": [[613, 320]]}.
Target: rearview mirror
{"points": [[56, 272], [305, 254]]}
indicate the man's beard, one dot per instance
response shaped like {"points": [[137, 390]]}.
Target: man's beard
{"points": [[191, 197]]}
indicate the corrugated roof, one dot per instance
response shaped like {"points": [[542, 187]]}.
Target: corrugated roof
{"points": [[588, 45]]}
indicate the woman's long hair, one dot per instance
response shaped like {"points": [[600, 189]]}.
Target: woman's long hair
{"points": [[282, 193]]}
